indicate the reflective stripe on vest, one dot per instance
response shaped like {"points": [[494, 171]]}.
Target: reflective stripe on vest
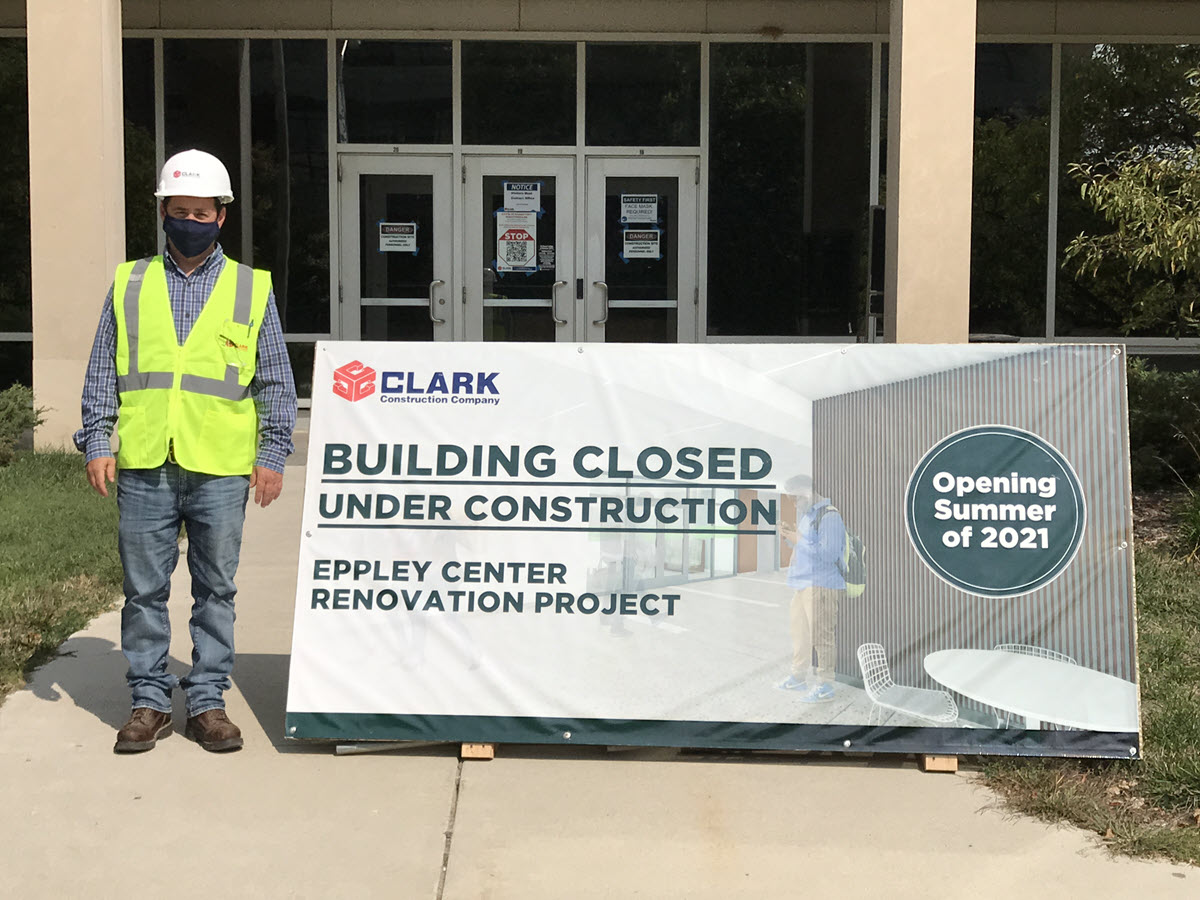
{"points": [[202, 405]]}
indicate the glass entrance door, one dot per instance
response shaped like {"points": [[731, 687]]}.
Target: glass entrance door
{"points": [[513, 268], [396, 270], [641, 283], [520, 248]]}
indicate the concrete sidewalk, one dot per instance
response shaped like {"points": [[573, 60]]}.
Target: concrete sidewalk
{"points": [[280, 820]]}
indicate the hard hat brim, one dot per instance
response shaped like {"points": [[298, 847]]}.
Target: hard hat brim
{"points": [[163, 195]]}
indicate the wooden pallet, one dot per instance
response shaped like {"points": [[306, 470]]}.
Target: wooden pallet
{"points": [[478, 751], [938, 763]]}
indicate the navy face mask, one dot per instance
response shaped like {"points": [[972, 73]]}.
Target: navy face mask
{"points": [[191, 238]]}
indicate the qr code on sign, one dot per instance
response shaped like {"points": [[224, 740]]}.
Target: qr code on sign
{"points": [[515, 252]]}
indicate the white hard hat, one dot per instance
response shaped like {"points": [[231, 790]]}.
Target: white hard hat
{"points": [[194, 173]]}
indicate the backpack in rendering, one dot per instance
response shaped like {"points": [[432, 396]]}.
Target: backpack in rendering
{"points": [[853, 564]]}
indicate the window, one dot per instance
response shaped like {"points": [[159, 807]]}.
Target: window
{"points": [[16, 306], [141, 171], [290, 178], [518, 92], [1115, 97], [201, 110], [789, 180], [1010, 208], [643, 95], [394, 92]]}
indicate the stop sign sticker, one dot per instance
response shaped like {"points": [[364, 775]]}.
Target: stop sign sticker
{"points": [[515, 250]]}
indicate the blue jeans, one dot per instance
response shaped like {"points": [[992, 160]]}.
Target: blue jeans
{"points": [[153, 503]]}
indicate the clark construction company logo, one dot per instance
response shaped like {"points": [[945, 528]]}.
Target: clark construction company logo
{"points": [[995, 511], [356, 381]]}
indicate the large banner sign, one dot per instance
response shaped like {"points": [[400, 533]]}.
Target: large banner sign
{"points": [[863, 547]]}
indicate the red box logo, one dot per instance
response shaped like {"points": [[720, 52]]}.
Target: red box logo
{"points": [[353, 381]]}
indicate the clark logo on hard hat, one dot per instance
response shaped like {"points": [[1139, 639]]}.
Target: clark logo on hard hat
{"points": [[194, 173]]}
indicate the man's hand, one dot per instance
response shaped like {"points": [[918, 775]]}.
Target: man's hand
{"points": [[101, 472], [267, 484]]}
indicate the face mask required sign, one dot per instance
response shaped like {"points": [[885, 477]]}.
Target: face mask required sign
{"points": [[764, 546]]}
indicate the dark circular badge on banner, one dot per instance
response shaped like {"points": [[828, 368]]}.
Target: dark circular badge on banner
{"points": [[995, 511]]}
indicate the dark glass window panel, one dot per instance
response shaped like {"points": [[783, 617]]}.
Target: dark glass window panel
{"points": [[641, 326], [201, 110], [788, 199], [518, 323], [16, 363], [636, 278], [395, 92], [518, 92], [1116, 97], [16, 306], [1009, 211], [290, 177], [520, 285], [390, 274], [643, 95], [1169, 362], [884, 88], [141, 172], [396, 323], [302, 354]]}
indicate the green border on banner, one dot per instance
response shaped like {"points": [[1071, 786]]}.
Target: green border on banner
{"points": [[364, 727]]}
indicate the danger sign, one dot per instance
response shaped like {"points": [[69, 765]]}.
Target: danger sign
{"points": [[398, 237]]}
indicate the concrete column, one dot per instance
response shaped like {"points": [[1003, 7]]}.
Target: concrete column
{"points": [[76, 192], [931, 107]]}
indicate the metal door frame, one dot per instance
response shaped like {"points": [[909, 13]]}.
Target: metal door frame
{"points": [[687, 170], [350, 168], [562, 166]]}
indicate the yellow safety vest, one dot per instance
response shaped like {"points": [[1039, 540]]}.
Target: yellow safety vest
{"points": [[192, 402]]}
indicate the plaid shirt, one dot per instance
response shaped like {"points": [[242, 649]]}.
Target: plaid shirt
{"points": [[273, 389]]}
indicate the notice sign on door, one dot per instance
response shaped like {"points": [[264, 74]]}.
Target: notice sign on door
{"points": [[522, 196], [516, 241], [645, 244], [397, 237], [639, 208]]}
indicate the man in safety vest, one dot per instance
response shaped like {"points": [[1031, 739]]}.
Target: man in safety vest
{"points": [[190, 367]]}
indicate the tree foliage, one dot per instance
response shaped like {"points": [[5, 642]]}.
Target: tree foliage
{"points": [[1147, 200]]}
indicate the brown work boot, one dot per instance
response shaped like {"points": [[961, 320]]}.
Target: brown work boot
{"points": [[213, 731], [142, 731]]}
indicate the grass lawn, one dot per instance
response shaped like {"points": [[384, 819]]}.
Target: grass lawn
{"points": [[58, 558], [1149, 806]]}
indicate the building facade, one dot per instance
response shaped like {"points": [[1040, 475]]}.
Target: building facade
{"points": [[658, 170]]}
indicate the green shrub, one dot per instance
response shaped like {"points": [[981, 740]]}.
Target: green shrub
{"points": [[17, 415], [1164, 426]]}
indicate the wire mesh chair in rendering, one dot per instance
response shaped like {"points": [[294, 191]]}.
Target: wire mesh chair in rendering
{"points": [[932, 706], [1044, 653]]}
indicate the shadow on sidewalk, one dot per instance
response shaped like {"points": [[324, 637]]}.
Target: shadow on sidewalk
{"points": [[262, 680], [91, 672]]}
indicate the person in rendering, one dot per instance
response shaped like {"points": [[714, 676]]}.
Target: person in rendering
{"points": [[190, 367], [818, 545]]}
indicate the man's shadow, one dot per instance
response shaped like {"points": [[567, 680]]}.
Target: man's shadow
{"points": [[90, 671]]}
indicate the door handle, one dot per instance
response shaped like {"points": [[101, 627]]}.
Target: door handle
{"points": [[433, 286], [603, 287], [554, 302]]}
